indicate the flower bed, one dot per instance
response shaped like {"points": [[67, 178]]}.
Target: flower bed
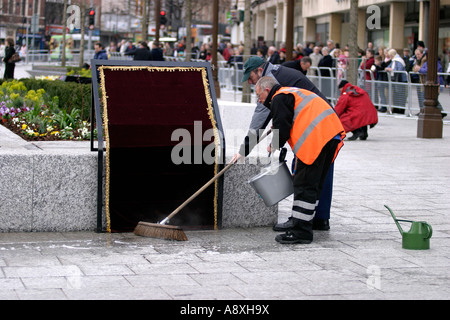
{"points": [[34, 115]]}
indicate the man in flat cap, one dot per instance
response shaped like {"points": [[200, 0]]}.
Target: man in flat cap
{"points": [[254, 69]]}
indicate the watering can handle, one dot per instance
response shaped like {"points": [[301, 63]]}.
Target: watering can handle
{"points": [[430, 231]]}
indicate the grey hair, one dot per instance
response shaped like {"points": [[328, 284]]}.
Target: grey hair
{"points": [[266, 83]]}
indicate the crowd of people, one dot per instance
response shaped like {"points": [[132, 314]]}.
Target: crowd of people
{"points": [[378, 64], [330, 57], [140, 51]]}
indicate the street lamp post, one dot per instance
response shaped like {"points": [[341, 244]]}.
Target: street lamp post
{"points": [[430, 121]]}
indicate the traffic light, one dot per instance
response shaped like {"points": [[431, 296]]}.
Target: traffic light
{"points": [[162, 17], [91, 18]]}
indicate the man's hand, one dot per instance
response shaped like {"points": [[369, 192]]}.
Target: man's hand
{"points": [[237, 157]]}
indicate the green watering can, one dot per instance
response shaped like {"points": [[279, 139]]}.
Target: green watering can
{"points": [[418, 237]]}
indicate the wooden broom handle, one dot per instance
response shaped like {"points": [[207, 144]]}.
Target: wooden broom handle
{"points": [[217, 176]]}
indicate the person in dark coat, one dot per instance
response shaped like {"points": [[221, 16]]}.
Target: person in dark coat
{"points": [[301, 65], [9, 51], [356, 110], [141, 53], [157, 53], [325, 62], [129, 47], [273, 55], [254, 69], [100, 52]]}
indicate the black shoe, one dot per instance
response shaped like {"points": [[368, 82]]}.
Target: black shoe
{"points": [[382, 109], [290, 238], [356, 134], [364, 135], [321, 224], [302, 232], [284, 226], [443, 115]]}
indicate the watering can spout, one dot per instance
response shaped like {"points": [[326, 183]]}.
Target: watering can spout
{"points": [[395, 219]]}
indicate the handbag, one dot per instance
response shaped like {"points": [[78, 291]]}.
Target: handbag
{"points": [[14, 58]]}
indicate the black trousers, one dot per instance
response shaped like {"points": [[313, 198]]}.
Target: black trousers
{"points": [[309, 180], [9, 71]]}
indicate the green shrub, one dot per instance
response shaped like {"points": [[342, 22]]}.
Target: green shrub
{"points": [[71, 95], [44, 110]]}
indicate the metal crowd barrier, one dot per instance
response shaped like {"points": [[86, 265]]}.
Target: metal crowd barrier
{"points": [[397, 97], [405, 96], [119, 56], [72, 56]]}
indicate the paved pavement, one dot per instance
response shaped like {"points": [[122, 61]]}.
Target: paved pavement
{"points": [[361, 257]]}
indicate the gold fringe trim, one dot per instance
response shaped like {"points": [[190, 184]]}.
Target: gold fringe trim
{"points": [[216, 141], [210, 110], [106, 134]]}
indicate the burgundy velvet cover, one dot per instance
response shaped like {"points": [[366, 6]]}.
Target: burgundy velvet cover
{"points": [[142, 107]]}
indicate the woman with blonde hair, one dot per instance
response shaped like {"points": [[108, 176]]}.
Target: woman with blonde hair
{"points": [[381, 51], [9, 51]]}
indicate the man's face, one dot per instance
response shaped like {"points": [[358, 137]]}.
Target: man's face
{"points": [[261, 94], [255, 75], [305, 66], [96, 48], [419, 55]]}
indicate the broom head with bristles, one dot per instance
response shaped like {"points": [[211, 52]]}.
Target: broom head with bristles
{"points": [[160, 231]]}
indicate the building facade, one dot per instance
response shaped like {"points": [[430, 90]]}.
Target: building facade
{"points": [[395, 24], [18, 16]]}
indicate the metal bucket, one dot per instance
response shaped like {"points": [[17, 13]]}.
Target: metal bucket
{"points": [[274, 183]]}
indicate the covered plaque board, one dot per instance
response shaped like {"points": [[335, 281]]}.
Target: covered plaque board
{"points": [[163, 141]]}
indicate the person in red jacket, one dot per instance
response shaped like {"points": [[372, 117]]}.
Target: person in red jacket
{"points": [[356, 110], [367, 63]]}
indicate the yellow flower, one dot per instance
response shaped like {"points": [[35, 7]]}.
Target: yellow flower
{"points": [[24, 126]]}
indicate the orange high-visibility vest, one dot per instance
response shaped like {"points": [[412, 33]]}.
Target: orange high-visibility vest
{"points": [[315, 123]]}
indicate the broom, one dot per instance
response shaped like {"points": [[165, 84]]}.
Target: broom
{"points": [[163, 231]]}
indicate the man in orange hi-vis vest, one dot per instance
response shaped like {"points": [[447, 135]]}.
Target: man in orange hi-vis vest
{"points": [[315, 134]]}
